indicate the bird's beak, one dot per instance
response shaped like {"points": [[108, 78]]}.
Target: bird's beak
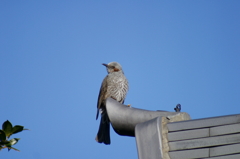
{"points": [[105, 64]]}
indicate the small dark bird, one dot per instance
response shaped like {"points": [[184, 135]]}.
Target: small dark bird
{"points": [[114, 85]]}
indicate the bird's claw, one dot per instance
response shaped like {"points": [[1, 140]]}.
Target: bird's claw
{"points": [[177, 108]]}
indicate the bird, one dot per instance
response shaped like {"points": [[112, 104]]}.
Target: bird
{"points": [[115, 86]]}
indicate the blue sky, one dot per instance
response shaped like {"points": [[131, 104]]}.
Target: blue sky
{"points": [[51, 52]]}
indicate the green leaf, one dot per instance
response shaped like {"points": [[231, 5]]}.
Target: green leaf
{"points": [[4, 142], [7, 128], [2, 135], [12, 142], [17, 129], [12, 148]]}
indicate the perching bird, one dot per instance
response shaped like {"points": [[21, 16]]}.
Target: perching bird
{"points": [[114, 85]]}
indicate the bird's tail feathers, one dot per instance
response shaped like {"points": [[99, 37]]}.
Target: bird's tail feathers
{"points": [[103, 135]]}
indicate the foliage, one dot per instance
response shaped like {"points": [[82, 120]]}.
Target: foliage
{"points": [[6, 132]]}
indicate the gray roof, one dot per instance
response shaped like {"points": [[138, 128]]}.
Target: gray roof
{"points": [[171, 135]]}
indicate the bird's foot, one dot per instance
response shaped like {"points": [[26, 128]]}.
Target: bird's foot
{"points": [[129, 105], [177, 108]]}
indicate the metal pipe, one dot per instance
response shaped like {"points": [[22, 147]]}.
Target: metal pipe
{"points": [[124, 118]]}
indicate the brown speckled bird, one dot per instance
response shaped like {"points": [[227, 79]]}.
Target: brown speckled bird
{"points": [[114, 85]]}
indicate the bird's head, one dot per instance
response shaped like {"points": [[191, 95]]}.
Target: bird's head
{"points": [[113, 67]]}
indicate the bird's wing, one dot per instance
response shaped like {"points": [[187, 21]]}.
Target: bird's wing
{"points": [[101, 95]]}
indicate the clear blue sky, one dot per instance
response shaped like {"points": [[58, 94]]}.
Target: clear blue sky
{"points": [[51, 52]]}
